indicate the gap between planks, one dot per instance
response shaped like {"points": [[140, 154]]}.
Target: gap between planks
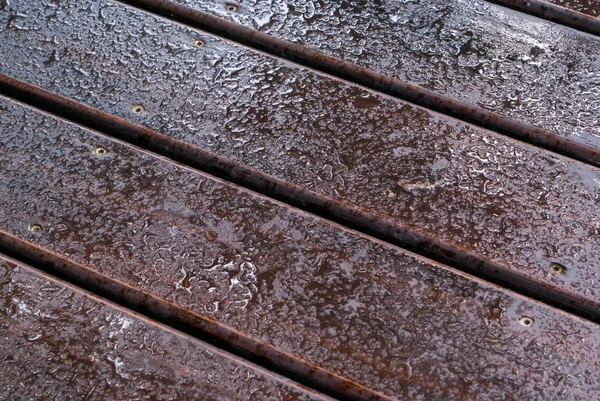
{"points": [[554, 13], [81, 315], [296, 196], [369, 78], [195, 325]]}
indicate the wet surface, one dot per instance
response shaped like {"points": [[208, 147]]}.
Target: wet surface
{"points": [[59, 343], [519, 66], [367, 311], [589, 7], [495, 198], [581, 15]]}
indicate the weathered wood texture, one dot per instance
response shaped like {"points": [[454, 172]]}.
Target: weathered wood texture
{"points": [[588, 7], [579, 14], [438, 184], [528, 69], [396, 324], [61, 343]]}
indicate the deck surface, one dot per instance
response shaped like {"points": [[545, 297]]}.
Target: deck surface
{"points": [[450, 188], [474, 52], [277, 277], [59, 343], [589, 7], [579, 14], [188, 217]]}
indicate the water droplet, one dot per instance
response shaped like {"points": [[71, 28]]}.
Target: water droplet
{"points": [[34, 337]]}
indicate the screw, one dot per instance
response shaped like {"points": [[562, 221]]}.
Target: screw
{"points": [[231, 7], [526, 321], [35, 229], [558, 268], [389, 193], [137, 108], [100, 151], [199, 42]]}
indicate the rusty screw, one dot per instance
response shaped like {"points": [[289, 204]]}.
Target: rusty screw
{"points": [[389, 193], [558, 268], [100, 151], [137, 108], [526, 321], [35, 229]]}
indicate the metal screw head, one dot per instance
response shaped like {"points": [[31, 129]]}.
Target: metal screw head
{"points": [[137, 108], [389, 193], [198, 42], [526, 321], [100, 151], [231, 7], [558, 268], [35, 229]]}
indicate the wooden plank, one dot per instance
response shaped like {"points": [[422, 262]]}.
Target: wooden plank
{"points": [[464, 194], [579, 14], [389, 324], [479, 54], [59, 343], [587, 7]]}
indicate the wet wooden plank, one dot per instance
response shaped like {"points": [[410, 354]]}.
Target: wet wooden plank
{"points": [[530, 70], [587, 7], [579, 14], [59, 342], [590, 8], [434, 183], [389, 324]]}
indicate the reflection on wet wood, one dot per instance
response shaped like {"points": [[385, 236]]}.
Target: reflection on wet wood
{"points": [[579, 14], [460, 193], [385, 322], [475, 52], [60, 343]]}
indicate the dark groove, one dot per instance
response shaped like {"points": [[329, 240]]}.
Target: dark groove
{"points": [[299, 197], [366, 77], [204, 329], [554, 13]]}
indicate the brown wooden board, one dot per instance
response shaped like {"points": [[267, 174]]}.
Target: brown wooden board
{"points": [[581, 8], [527, 69], [441, 186], [276, 281], [579, 14], [588, 7], [58, 342]]}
